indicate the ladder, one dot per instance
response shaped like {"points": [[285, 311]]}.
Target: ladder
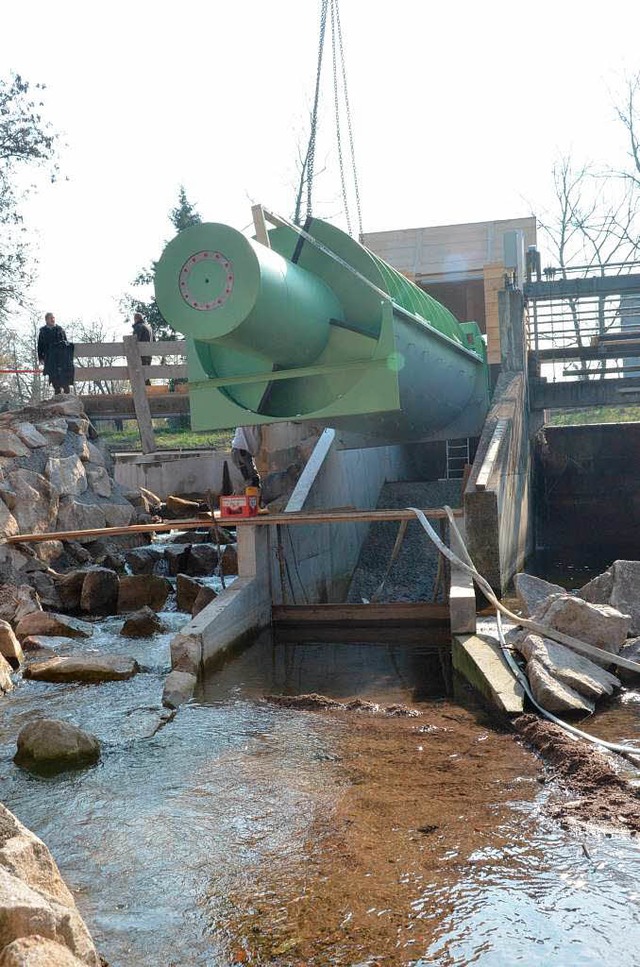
{"points": [[458, 456]]}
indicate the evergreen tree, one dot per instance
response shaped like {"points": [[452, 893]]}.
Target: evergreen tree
{"points": [[182, 216], [26, 140]]}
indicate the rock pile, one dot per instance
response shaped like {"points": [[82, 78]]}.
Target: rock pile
{"points": [[603, 613], [56, 475], [40, 920]]}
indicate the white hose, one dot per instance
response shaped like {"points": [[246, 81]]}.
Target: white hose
{"points": [[468, 566]]}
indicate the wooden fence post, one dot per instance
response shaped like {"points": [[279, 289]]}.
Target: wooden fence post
{"points": [[140, 401]]}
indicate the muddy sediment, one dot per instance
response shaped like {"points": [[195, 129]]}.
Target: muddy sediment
{"points": [[605, 796], [321, 703], [415, 798]]}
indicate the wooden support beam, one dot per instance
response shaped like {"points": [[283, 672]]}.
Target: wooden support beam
{"points": [[86, 373], [140, 401], [319, 517], [260, 225], [366, 614], [87, 350]]}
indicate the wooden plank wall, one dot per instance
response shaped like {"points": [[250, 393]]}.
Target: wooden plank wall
{"points": [[493, 282], [448, 252]]}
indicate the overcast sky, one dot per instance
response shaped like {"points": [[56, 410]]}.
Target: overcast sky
{"points": [[459, 110]]}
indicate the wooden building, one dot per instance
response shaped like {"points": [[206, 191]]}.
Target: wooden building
{"points": [[463, 266]]}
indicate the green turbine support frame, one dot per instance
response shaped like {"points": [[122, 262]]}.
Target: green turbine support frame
{"points": [[315, 327]]}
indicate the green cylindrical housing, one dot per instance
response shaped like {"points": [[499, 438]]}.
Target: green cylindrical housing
{"points": [[226, 289], [316, 327]]}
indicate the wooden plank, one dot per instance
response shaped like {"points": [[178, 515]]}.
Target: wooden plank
{"points": [[108, 405], [335, 517], [113, 349], [140, 401], [340, 516], [166, 525], [413, 612], [173, 371], [386, 633], [260, 225]]}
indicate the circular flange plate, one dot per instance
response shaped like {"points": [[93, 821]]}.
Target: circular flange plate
{"points": [[206, 280]]}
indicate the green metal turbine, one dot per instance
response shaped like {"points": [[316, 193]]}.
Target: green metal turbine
{"points": [[315, 327]]}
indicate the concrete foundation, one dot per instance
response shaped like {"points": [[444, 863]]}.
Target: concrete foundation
{"points": [[498, 513], [175, 471], [481, 662]]}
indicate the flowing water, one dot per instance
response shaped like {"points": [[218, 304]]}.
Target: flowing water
{"points": [[245, 832]]}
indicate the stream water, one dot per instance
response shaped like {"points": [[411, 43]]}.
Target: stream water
{"points": [[245, 832]]}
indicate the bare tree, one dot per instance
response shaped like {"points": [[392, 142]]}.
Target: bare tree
{"points": [[95, 331]]}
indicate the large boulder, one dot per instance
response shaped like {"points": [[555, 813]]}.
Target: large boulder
{"points": [[69, 588], [203, 559], [178, 559], [551, 694], [205, 597], [570, 668], [9, 645], [86, 668], [178, 689], [66, 475], [187, 591], [532, 592], [16, 601], [54, 741], [47, 591], [99, 481], [100, 591], [620, 588], [50, 623], [8, 524], [79, 515], [36, 502], [6, 682], [11, 445], [138, 590], [38, 951], [631, 651], [31, 437], [186, 654], [117, 514], [230, 560], [96, 455], [54, 430], [595, 624], [142, 560], [142, 624]]}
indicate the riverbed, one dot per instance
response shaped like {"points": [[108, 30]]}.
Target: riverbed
{"points": [[243, 832]]}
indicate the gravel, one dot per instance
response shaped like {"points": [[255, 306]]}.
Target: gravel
{"points": [[413, 575]]}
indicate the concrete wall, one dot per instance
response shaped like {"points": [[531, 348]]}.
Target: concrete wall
{"points": [[242, 609], [588, 492], [498, 518], [320, 559], [174, 471]]}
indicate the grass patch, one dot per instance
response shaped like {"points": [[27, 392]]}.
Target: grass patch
{"points": [[167, 437], [595, 414]]}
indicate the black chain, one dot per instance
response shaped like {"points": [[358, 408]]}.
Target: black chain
{"points": [[349, 124], [336, 99], [311, 150]]}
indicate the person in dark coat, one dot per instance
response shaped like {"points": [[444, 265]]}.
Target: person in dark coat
{"points": [[56, 355], [143, 333]]}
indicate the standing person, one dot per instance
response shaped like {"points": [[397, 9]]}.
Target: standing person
{"points": [[56, 355], [143, 333], [244, 448]]}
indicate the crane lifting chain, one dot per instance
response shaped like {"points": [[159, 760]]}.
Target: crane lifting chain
{"points": [[330, 8]]}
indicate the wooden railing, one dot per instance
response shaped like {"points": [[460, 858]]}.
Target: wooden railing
{"points": [[143, 402]]}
